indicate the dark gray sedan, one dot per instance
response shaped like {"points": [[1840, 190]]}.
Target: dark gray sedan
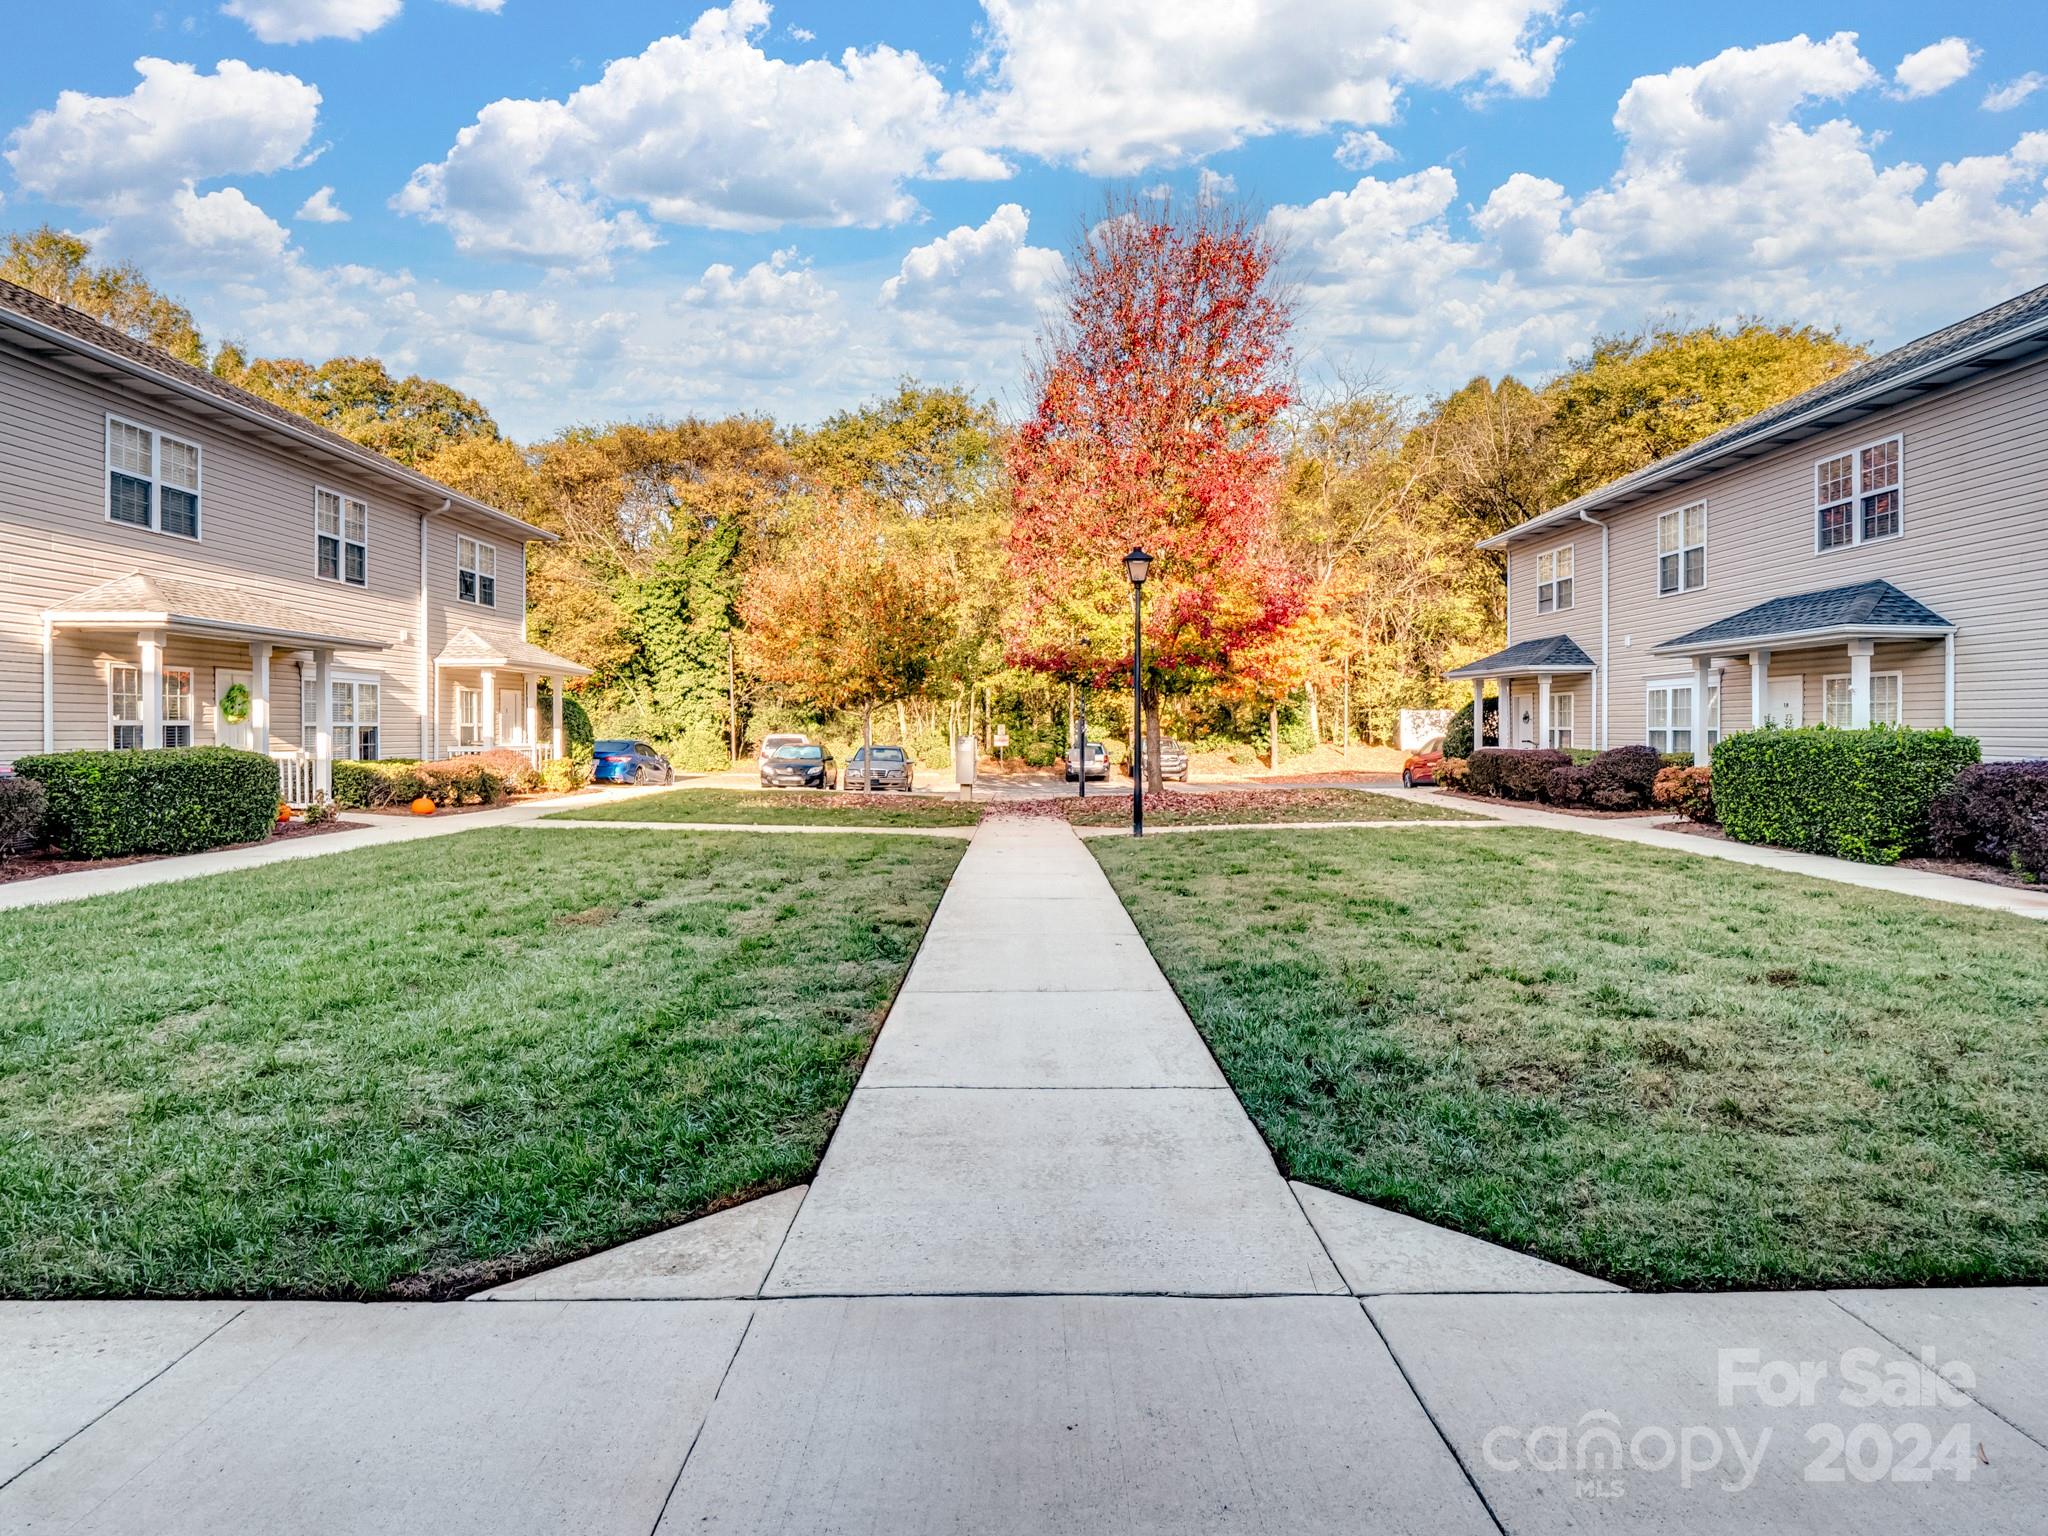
{"points": [[893, 769], [804, 765]]}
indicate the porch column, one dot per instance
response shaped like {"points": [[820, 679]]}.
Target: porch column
{"points": [[1478, 713], [1859, 684], [489, 737], [533, 715], [555, 741], [152, 647], [1702, 680], [323, 722], [1948, 680], [1759, 687], [1542, 709], [259, 696]]}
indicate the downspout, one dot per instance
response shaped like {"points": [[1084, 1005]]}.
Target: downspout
{"points": [[1600, 704], [430, 705]]}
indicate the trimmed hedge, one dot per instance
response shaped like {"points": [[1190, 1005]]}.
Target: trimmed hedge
{"points": [[1514, 773], [1862, 795], [1617, 780], [108, 805], [475, 778], [1458, 734], [1688, 791], [1996, 812]]}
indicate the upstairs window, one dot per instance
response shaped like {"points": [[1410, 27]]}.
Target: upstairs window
{"points": [[1554, 580], [1682, 549], [152, 480], [1856, 495], [341, 538], [476, 566]]}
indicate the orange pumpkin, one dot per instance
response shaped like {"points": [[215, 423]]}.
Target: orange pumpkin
{"points": [[284, 812], [423, 806]]}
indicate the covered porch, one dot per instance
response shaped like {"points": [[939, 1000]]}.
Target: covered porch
{"points": [[1544, 690], [487, 696], [1849, 657], [159, 636]]}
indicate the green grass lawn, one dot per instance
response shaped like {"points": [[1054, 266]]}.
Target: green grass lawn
{"points": [[414, 1070], [1667, 1070], [1194, 808], [783, 808]]}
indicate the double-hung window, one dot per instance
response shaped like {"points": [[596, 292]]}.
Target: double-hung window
{"points": [[476, 567], [469, 716], [1887, 699], [1669, 716], [1554, 580], [341, 538], [1562, 707], [1682, 549], [1856, 495], [152, 479], [355, 718], [124, 706]]}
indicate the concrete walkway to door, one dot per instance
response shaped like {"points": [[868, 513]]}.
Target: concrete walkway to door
{"points": [[1048, 1282]]}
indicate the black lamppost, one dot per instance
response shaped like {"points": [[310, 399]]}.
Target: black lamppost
{"points": [[1081, 720], [1137, 566]]}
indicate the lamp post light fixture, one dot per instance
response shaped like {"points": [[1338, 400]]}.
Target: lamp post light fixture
{"points": [[1137, 566], [1081, 723]]}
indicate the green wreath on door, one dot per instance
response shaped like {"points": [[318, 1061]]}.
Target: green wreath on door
{"points": [[234, 704]]}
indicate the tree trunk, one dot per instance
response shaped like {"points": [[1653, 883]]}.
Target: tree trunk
{"points": [[902, 724], [732, 704], [1347, 708], [867, 745], [1315, 718], [1155, 779], [1273, 738]]}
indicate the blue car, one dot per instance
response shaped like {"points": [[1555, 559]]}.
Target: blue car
{"points": [[629, 762]]}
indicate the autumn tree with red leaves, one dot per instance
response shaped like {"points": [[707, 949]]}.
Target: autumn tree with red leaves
{"points": [[1158, 388]]}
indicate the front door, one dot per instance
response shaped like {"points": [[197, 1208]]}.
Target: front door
{"points": [[512, 717], [1785, 703], [232, 733]]}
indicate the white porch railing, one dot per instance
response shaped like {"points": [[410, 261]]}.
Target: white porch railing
{"points": [[536, 754], [297, 777]]}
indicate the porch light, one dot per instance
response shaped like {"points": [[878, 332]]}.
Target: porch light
{"points": [[1137, 566]]}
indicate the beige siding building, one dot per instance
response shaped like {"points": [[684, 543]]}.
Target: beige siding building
{"points": [[1874, 550], [184, 563]]}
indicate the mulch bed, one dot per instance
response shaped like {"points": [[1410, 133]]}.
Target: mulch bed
{"points": [[48, 861], [1561, 810], [1962, 869]]}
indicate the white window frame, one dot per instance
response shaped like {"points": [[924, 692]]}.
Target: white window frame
{"points": [[1676, 516], [176, 710], [349, 724], [348, 510], [1556, 586], [1563, 710], [116, 720], [463, 695], [1859, 493], [157, 438], [469, 561], [1827, 684], [1675, 722]]}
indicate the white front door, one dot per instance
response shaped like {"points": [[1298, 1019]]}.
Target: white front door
{"points": [[232, 733], [1786, 703], [512, 715]]}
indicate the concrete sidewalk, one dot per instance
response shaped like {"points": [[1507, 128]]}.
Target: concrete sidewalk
{"points": [[1047, 1281]]}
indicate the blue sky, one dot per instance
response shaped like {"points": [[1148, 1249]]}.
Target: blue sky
{"points": [[582, 212]]}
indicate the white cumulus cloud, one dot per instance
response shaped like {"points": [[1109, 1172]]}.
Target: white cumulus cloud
{"points": [[2004, 98], [1934, 68], [303, 21], [321, 208]]}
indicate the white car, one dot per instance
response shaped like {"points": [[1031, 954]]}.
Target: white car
{"points": [[776, 739], [1098, 762]]}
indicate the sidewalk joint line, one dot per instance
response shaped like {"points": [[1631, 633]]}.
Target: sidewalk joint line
{"points": [[1972, 1394], [1427, 1412], [709, 1409]]}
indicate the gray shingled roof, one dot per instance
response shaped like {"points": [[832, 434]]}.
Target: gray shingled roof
{"points": [[140, 601], [469, 647], [1955, 354], [1553, 653], [1873, 608], [75, 326]]}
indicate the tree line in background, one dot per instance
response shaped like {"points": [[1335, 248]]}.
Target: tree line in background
{"points": [[1316, 570]]}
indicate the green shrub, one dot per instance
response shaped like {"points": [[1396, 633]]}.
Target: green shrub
{"points": [[1458, 734], [465, 780], [1688, 791], [22, 805], [561, 774], [1517, 773], [1853, 794], [388, 781], [108, 805]]}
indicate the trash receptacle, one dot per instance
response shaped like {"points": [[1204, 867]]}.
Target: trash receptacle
{"points": [[963, 764]]}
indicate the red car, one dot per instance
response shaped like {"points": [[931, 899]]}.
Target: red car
{"points": [[1421, 766]]}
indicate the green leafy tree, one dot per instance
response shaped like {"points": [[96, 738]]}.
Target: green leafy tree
{"points": [[410, 419], [59, 266]]}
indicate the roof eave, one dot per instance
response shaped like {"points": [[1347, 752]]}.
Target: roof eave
{"points": [[1685, 645], [1816, 417], [367, 458], [194, 624], [1474, 670]]}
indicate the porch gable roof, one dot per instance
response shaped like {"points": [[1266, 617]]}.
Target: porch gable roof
{"points": [[1552, 653], [141, 601], [1868, 610], [470, 647]]}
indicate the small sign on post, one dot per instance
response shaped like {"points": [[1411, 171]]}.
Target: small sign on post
{"points": [[1002, 741]]}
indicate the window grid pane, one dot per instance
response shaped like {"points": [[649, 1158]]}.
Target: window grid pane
{"points": [[128, 448], [358, 522], [1667, 573], [180, 512], [327, 513], [355, 571], [329, 556], [178, 464], [128, 499], [1881, 515], [1667, 534]]}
